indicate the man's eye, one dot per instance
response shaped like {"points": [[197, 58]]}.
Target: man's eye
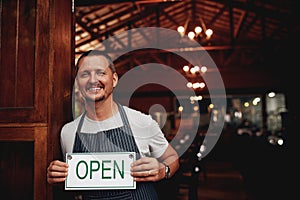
{"points": [[84, 75], [100, 72]]}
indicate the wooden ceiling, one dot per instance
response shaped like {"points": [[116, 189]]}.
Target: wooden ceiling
{"points": [[245, 32]]}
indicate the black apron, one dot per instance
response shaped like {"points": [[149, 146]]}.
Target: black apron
{"points": [[113, 140]]}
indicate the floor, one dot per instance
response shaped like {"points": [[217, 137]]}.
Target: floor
{"points": [[222, 182]]}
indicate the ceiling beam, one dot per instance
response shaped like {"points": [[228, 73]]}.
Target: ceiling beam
{"points": [[190, 49], [105, 2]]}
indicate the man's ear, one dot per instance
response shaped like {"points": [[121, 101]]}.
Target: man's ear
{"points": [[115, 79]]}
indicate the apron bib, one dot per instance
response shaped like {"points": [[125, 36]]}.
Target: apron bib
{"points": [[114, 140]]}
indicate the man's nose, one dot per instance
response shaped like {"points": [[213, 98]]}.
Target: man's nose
{"points": [[93, 78]]}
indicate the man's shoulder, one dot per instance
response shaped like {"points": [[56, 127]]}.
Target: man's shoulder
{"points": [[138, 117], [134, 112], [72, 124]]}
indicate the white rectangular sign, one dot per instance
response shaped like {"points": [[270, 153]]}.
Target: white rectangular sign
{"points": [[109, 170]]}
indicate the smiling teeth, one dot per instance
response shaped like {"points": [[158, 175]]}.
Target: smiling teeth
{"points": [[93, 89]]}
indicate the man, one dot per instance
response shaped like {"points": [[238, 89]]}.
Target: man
{"points": [[106, 126]]}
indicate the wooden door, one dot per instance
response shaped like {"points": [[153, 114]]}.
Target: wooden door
{"points": [[35, 80]]}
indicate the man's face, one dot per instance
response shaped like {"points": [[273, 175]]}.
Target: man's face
{"points": [[95, 79]]}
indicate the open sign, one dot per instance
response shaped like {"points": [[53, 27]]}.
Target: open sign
{"points": [[109, 170]]}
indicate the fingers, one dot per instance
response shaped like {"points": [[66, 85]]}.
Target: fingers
{"points": [[57, 165], [147, 175], [145, 169], [57, 171], [143, 165], [143, 160], [144, 173]]}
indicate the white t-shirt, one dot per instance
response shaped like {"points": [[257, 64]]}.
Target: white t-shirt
{"points": [[148, 136]]}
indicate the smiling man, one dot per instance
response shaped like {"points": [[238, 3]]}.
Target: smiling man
{"points": [[107, 126]]}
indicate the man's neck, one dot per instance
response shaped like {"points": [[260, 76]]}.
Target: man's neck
{"points": [[101, 110]]}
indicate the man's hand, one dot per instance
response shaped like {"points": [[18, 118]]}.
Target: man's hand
{"points": [[147, 169], [57, 172]]}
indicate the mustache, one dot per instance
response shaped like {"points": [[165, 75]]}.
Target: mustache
{"points": [[99, 85]]}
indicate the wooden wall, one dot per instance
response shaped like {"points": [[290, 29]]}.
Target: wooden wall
{"points": [[35, 81]]}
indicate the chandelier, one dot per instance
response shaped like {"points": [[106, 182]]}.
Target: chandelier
{"points": [[194, 73], [195, 29]]}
